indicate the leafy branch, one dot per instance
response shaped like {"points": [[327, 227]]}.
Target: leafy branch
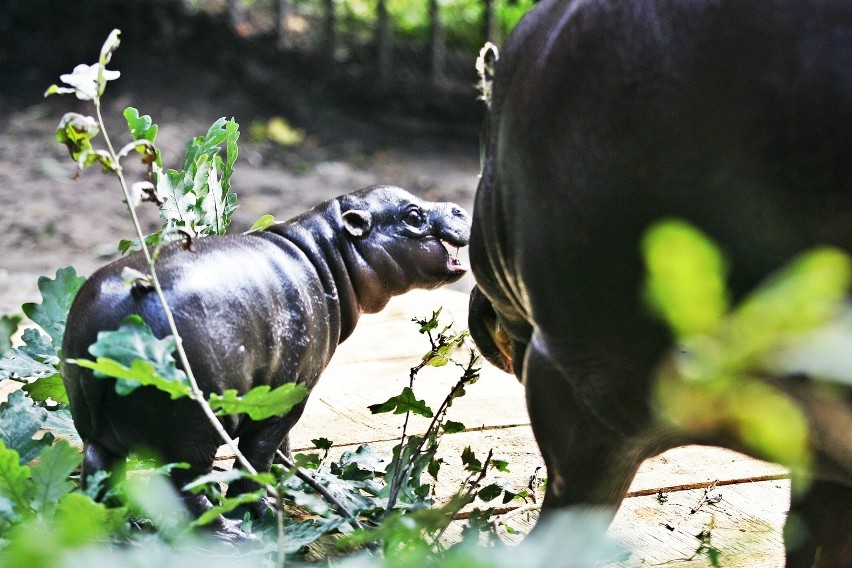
{"points": [[200, 165]]}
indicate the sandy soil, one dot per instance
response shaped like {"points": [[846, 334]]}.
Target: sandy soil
{"points": [[48, 220]]}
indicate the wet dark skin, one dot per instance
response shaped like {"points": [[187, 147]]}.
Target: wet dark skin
{"points": [[267, 308], [606, 117]]}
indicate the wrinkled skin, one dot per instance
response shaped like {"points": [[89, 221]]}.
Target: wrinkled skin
{"points": [[607, 116], [266, 308]]}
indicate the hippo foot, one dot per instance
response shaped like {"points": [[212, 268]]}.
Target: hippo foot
{"points": [[230, 531], [258, 510]]}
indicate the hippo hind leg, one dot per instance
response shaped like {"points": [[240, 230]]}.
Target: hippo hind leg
{"points": [[260, 447], [590, 460], [228, 530], [818, 531], [97, 458]]}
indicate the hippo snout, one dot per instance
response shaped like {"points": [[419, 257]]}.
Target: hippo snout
{"points": [[453, 224]]}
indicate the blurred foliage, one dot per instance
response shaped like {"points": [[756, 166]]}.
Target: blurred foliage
{"points": [[723, 381]]}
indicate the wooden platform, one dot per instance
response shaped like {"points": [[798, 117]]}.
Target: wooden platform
{"points": [[676, 498]]}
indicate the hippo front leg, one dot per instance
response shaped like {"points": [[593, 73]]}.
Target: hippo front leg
{"points": [[587, 463]]}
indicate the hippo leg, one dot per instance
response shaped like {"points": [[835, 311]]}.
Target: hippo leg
{"points": [[259, 448], [587, 463], [97, 458], [818, 531], [224, 529]]}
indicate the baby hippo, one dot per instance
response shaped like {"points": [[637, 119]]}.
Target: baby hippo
{"points": [[266, 308]]}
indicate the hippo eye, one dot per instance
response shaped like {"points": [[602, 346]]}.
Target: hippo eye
{"points": [[415, 218]]}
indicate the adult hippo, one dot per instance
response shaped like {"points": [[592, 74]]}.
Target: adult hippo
{"points": [[606, 116], [265, 308]]}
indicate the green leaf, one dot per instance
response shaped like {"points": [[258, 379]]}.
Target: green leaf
{"points": [[8, 327], [20, 365], [14, 479], [686, 277], [402, 403], [500, 465], [197, 200], [207, 145], [140, 373], [490, 492], [322, 443], [352, 472], [20, 420], [79, 520], [469, 460], [134, 341], [213, 202], [430, 324], [451, 427], [364, 457], [57, 295], [102, 157], [299, 535], [434, 467], [47, 388], [141, 127], [39, 347], [232, 134], [60, 423], [227, 505], [228, 476], [35, 359], [804, 295], [263, 223], [260, 402], [50, 474], [307, 461]]}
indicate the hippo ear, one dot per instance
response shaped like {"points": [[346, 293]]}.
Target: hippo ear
{"points": [[357, 222]]}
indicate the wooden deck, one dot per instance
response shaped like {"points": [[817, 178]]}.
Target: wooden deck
{"points": [[675, 498]]}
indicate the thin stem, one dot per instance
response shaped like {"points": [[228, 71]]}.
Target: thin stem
{"points": [[504, 518], [316, 486], [155, 281], [401, 472], [279, 517]]}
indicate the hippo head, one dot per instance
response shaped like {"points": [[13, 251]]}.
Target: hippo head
{"points": [[400, 242]]}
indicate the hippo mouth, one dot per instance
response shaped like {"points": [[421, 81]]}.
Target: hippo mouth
{"points": [[454, 265]]}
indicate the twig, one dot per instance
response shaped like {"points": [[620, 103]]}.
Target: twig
{"points": [[319, 488], [471, 486], [706, 499], [155, 282], [279, 518], [197, 393], [401, 472], [501, 519], [704, 484]]}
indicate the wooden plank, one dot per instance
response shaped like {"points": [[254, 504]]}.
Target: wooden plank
{"points": [[744, 525], [373, 365]]}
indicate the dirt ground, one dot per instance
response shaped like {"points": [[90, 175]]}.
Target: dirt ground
{"points": [[49, 220]]}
